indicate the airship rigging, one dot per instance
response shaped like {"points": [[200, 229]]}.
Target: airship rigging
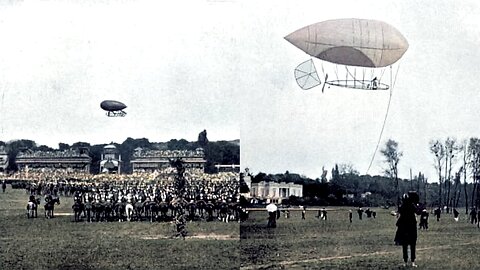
{"points": [[354, 53], [114, 108]]}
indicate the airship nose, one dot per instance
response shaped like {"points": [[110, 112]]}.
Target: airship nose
{"points": [[299, 38]]}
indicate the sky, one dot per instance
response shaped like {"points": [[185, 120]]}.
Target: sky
{"points": [[224, 66]]}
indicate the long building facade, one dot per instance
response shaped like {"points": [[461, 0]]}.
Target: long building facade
{"points": [[152, 160], [274, 191], [74, 159]]}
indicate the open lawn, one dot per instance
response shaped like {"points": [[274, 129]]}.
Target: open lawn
{"points": [[364, 244], [59, 243]]}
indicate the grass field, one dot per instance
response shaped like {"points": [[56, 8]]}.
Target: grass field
{"points": [[364, 244], [59, 243]]}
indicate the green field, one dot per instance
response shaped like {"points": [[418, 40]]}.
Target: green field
{"points": [[364, 244], [59, 243]]}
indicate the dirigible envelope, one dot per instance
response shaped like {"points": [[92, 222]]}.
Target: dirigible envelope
{"points": [[351, 42], [306, 75]]}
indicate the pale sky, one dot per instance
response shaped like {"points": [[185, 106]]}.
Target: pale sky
{"points": [[224, 66]]}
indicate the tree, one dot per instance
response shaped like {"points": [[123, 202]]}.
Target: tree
{"points": [[392, 157], [436, 148], [202, 138], [451, 150], [474, 152], [63, 146]]}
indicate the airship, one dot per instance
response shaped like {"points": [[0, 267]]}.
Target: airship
{"points": [[114, 108], [348, 43]]}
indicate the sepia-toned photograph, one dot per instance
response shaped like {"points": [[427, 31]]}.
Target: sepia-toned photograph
{"points": [[239, 134]]}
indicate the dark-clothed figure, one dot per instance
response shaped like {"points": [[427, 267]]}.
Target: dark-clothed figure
{"points": [[406, 234], [350, 215], [4, 186], [473, 216], [424, 220], [360, 213], [437, 213], [324, 214], [455, 214], [303, 212]]}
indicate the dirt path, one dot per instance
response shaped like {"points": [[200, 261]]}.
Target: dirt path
{"points": [[199, 236], [293, 262]]}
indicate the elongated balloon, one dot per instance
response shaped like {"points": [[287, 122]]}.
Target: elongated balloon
{"points": [[351, 42]]}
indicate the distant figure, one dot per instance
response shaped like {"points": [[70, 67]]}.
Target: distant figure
{"points": [[478, 219], [360, 213], [287, 213], [455, 214], [324, 214], [473, 216], [350, 215], [303, 212], [437, 213], [374, 83], [423, 220], [4, 186], [272, 215], [374, 214], [406, 234], [368, 212]]}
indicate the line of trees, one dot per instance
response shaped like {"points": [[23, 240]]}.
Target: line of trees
{"points": [[216, 152], [457, 165]]}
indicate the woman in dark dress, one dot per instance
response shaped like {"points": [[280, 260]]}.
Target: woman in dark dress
{"points": [[406, 234]]}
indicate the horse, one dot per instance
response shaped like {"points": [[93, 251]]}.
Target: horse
{"points": [[163, 207], [78, 207], [50, 206], [139, 209], [32, 208], [129, 210], [98, 210], [120, 210], [88, 209]]}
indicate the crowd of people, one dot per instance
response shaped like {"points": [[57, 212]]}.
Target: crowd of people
{"points": [[53, 153], [169, 153], [152, 195]]}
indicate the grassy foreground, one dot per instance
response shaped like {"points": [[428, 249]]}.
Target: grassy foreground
{"points": [[364, 244], [59, 243]]}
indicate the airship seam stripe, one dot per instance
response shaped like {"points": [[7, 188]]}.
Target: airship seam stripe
{"points": [[357, 47]]}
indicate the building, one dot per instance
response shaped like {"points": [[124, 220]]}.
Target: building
{"points": [[152, 160], [274, 191], [111, 160], [3, 159], [228, 168], [72, 159]]}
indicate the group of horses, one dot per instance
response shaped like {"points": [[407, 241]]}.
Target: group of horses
{"points": [[152, 211], [49, 206]]}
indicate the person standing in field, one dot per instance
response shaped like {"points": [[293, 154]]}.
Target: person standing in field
{"points": [[303, 212], [4, 186], [360, 213], [437, 213], [424, 220], [350, 215], [406, 234], [473, 216]]}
